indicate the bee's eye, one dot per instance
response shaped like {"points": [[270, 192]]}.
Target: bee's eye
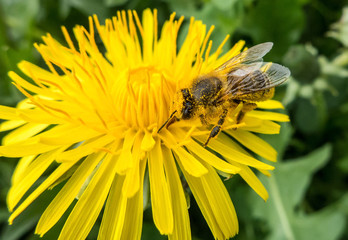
{"points": [[187, 110], [186, 114], [188, 105]]}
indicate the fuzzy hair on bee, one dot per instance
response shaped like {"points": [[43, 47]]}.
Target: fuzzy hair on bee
{"points": [[243, 80]]}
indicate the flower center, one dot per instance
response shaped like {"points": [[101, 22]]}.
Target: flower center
{"points": [[145, 97]]}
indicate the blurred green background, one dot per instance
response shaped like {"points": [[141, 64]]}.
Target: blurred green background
{"points": [[308, 190]]}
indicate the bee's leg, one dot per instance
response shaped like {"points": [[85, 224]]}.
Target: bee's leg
{"points": [[247, 107], [171, 121], [217, 128]]}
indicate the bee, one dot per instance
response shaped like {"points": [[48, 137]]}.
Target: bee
{"points": [[243, 80]]}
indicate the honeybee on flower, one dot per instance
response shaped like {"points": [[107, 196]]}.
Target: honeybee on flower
{"points": [[242, 80]]}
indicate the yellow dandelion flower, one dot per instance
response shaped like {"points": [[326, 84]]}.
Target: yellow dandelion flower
{"points": [[95, 115]]}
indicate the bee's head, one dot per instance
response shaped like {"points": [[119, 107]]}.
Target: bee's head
{"points": [[183, 108], [184, 104]]}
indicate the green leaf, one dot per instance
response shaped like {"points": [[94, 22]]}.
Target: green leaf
{"points": [[294, 175], [328, 224], [283, 213]]}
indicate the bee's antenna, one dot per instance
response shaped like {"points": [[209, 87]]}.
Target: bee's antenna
{"points": [[170, 117]]}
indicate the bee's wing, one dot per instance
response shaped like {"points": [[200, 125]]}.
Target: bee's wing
{"points": [[250, 56], [248, 80]]}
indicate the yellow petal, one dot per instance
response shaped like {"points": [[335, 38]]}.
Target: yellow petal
{"points": [[134, 214], [181, 218], [26, 148], [260, 126], [132, 183], [86, 148], [8, 113], [148, 142], [28, 68], [211, 159], [190, 163], [32, 88], [168, 138], [215, 203], [24, 132], [37, 115], [125, 161], [67, 194], [21, 168], [253, 181], [11, 124], [52, 178], [30, 175], [88, 207], [255, 144], [148, 25], [43, 76], [26, 103], [67, 134], [265, 172], [270, 104], [224, 146], [161, 201], [279, 117], [115, 211]]}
